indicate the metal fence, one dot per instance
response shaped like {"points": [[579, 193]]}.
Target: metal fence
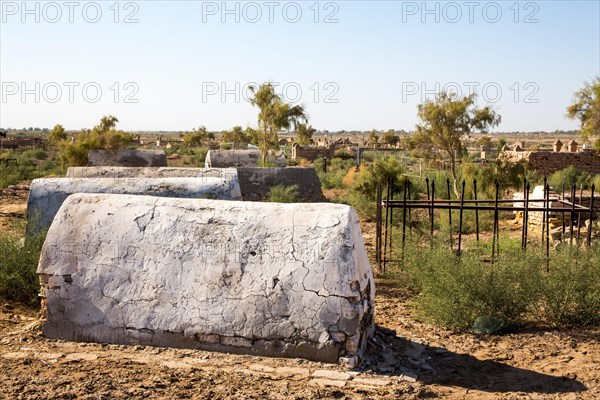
{"points": [[386, 205]]}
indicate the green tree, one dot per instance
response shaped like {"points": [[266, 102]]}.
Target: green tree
{"points": [[57, 134], [389, 137], [373, 138], [586, 108], [444, 120], [103, 136], [197, 137], [235, 136], [304, 134], [252, 135], [274, 114]]}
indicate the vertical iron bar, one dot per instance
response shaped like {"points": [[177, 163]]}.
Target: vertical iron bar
{"points": [[589, 232], [523, 216], [449, 212], [544, 212], [526, 218], [427, 182], [573, 191], [579, 216], [548, 228], [495, 222], [385, 234], [378, 226], [391, 217], [409, 210], [404, 219], [431, 213], [476, 210], [497, 219], [460, 218], [563, 235]]}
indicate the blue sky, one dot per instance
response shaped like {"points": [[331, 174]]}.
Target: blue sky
{"points": [[175, 65]]}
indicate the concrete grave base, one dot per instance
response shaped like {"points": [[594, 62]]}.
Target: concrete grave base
{"points": [[290, 280]]}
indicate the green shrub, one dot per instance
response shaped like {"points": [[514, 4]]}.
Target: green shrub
{"points": [[283, 194], [457, 292], [18, 264], [570, 291], [570, 176], [337, 169], [363, 193], [37, 154], [26, 169], [199, 156]]}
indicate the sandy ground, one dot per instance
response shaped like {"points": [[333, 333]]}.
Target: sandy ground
{"points": [[406, 359]]}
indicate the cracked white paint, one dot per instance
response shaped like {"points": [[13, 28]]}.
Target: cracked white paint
{"points": [[48, 194], [260, 278]]}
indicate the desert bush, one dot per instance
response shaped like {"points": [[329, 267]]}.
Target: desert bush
{"points": [[457, 292], [283, 194], [103, 136], [37, 154], [337, 169], [26, 168], [568, 177], [18, 264], [509, 176], [199, 156], [362, 194], [569, 294]]}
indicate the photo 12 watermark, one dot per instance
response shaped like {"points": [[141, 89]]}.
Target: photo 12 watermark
{"points": [[453, 12], [252, 12], [69, 92], [490, 92], [53, 12], [290, 92]]}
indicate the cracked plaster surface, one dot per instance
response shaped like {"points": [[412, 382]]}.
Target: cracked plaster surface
{"points": [[263, 278], [48, 194]]}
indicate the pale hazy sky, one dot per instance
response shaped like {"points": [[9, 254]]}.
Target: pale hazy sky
{"points": [[175, 65]]}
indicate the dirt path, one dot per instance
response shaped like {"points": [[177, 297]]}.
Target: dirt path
{"points": [[421, 362]]}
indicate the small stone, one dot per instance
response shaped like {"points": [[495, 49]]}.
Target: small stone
{"points": [[352, 344], [176, 365], [384, 367], [414, 350], [390, 359], [81, 357], [408, 377], [50, 356], [261, 368], [373, 381], [327, 383], [329, 374], [349, 362], [15, 355], [292, 371]]}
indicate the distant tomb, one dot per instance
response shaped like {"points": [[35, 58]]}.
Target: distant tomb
{"points": [[127, 158]]}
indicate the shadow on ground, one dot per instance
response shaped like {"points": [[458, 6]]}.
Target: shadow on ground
{"points": [[392, 355]]}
